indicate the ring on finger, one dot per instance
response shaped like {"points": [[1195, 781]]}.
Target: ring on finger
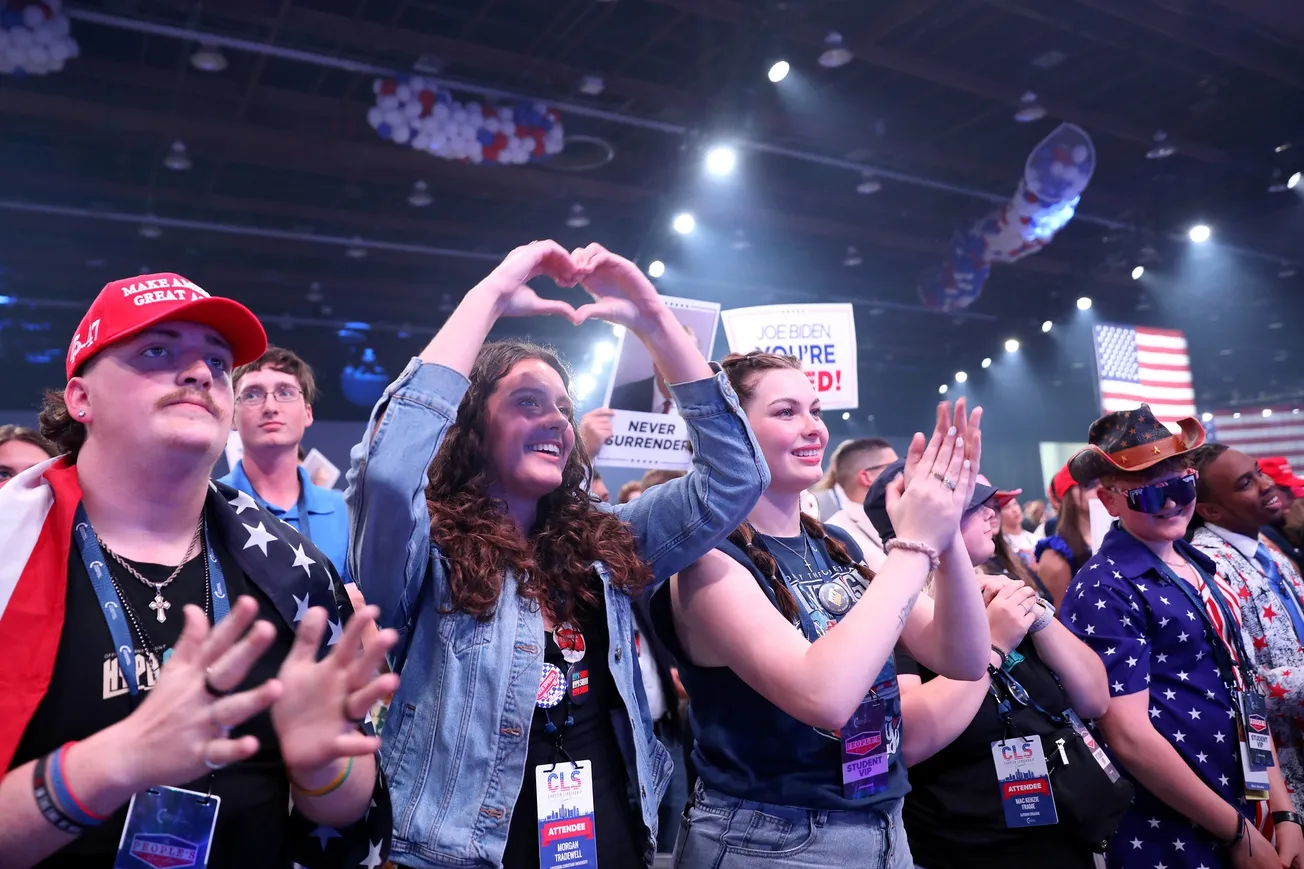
{"points": [[348, 716], [949, 483], [208, 763], [217, 693]]}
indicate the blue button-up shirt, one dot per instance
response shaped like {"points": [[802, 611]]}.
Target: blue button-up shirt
{"points": [[328, 517], [1151, 637]]}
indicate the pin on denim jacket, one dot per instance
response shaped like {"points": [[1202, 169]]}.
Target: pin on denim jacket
{"points": [[456, 735]]}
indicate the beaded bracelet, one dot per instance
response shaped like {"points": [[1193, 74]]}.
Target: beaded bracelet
{"points": [[915, 546], [335, 785]]}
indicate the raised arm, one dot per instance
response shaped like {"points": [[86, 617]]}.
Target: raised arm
{"points": [[389, 523]]}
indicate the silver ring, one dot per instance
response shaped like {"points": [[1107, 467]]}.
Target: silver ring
{"points": [[949, 483], [213, 766]]}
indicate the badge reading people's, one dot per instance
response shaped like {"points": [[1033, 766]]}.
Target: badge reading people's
{"points": [[168, 828], [864, 750], [566, 832]]}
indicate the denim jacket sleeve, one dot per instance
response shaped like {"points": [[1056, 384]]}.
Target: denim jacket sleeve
{"points": [[389, 523], [678, 522]]}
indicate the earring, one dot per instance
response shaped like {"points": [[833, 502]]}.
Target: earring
{"points": [[81, 413]]}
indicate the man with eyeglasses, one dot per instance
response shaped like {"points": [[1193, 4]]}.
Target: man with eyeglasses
{"points": [[1235, 500], [1185, 717], [273, 407], [856, 465]]}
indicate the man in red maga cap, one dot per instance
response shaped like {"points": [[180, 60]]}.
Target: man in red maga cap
{"points": [[182, 666]]}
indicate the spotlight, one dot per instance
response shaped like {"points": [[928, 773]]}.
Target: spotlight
{"points": [[1206, 417], [578, 218], [835, 53], [1046, 326], [941, 390], [584, 384], [846, 415], [1161, 149], [1200, 233], [208, 58], [1138, 272], [1084, 303], [1293, 181], [987, 362], [150, 229], [684, 223], [1012, 345], [356, 250], [1029, 109], [868, 184], [1236, 415], [656, 269], [420, 196], [779, 71], [852, 259], [177, 159], [961, 377], [604, 352], [1267, 412], [720, 160]]}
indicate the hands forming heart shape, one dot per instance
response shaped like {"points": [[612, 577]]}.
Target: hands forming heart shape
{"points": [[621, 293]]}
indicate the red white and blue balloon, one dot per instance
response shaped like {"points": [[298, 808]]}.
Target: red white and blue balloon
{"points": [[34, 37], [1054, 177], [412, 111]]}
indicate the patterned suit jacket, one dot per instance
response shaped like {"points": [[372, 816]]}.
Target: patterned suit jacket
{"points": [[1270, 639]]}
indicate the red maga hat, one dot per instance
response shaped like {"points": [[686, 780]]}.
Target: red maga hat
{"points": [[1278, 470], [127, 307]]}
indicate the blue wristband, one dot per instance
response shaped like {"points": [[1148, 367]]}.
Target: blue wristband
{"points": [[64, 796]]}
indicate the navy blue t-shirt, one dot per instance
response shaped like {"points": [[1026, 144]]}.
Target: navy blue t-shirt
{"points": [[747, 747]]}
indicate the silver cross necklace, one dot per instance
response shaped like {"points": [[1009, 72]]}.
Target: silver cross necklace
{"points": [[159, 604]]}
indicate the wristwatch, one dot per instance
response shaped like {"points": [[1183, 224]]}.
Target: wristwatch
{"points": [[1045, 617], [1286, 818]]}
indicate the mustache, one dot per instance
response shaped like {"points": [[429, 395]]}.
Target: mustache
{"points": [[194, 395]]}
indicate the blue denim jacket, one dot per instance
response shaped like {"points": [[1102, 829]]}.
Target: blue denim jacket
{"points": [[456, 735]]}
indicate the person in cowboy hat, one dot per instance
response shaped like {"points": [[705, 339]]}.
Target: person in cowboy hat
{"points": [[145, 716], [1150, 605]]}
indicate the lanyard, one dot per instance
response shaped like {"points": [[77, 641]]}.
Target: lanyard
{"points": [[1014, 690], [1222, 655], [304, 527], [88, 546], [803, 613]]}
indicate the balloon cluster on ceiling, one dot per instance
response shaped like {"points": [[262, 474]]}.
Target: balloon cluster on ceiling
{"points": [[1054, 176], [411, 111], [34, 37]]}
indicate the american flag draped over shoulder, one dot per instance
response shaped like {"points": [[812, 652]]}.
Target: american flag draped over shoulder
{"points": [[1140, 365], [1280, 433], [36, 518]]}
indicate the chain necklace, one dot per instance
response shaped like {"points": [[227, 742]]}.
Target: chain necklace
{"points": [[159, 605], [805, 541]]}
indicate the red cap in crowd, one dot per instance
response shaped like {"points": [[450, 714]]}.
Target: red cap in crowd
{"points": [[1278, 470], [1060, 485], [127, 307]]}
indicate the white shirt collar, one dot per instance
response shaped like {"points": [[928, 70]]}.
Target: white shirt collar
{"points": [[1246, 546], [840, 494]]}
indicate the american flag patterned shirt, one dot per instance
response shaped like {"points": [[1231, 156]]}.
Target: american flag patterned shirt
{"points": [[1151, 637]]}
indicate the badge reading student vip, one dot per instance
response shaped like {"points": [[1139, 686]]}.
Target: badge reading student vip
{"points": [[168, 828], [566, 831], [864, 750], [1025, 783]]}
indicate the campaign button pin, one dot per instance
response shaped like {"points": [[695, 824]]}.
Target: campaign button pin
{"points": [[552, 687], [834, 597]]}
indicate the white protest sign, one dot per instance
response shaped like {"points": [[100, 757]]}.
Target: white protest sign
{"points": [[823, 337], [646, 428]]}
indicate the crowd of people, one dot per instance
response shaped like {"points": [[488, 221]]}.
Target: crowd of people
{"points": [[474, 658]]}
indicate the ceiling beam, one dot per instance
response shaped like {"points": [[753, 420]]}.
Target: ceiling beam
{"points": [[964, 81]]}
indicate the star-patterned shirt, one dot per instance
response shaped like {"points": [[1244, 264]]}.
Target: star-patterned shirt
{"points": [[1151, 636]]}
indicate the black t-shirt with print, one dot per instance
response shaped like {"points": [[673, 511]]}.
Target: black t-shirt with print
{"points": [[618, 823], [87, 694], [953, 815]]}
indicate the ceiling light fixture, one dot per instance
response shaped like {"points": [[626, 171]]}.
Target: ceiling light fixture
{"points": [[835, 54], [853, 258], [150, 229], [1137, 272], [1206, 417], [208, 58], [356, 250], [1012, 345], [1200, 233], [779, 71], [420, 196], [1030, 109], [961, 377], [592, 85], [1084, 303], [1293, 181], [868, 183], [987, 362], [684, 223], [846, 415], [1047, 325], [721, 160], [1267, 412], [578, 217], [656, 269], [177, 159], [1161, 149], [941, 390], [1236, 415]]}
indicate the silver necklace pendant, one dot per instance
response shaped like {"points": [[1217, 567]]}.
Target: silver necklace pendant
{"points": [[159, 605]]}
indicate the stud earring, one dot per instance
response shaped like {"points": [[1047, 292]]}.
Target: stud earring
{"points": [[81, 413]]}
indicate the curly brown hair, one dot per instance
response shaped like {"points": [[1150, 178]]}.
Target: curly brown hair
{"points": [[743, 370], [554, 562]]}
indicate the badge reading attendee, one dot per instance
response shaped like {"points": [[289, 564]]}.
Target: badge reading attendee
{"points": [[167, 828], [566, 832], [1024, 782]]}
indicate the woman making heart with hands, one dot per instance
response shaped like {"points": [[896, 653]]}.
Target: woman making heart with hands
{"points": [[785, 643], [520, 732]]}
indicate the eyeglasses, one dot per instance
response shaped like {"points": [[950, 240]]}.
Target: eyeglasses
{"points": [[1152, 498], [254, 396]]}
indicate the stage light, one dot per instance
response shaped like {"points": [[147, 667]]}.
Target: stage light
{"points": [[846, 415], [1012, 345], [1138, 272], [961, 377], [1200, 233], [1236, 415], [179, 161], [941, 390], [578, 218], [1047, 325], [1267, 412], [987, 362], [721, 159], [1084, 303], [420, 196], [1206, 417], [656, 269], [208, 58], [584, 385], [604, 352], [852, 258], [684, 223], [779, 71], [1293, 181]]}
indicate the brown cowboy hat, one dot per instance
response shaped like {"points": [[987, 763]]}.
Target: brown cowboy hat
{"points": [[1128, 441]]}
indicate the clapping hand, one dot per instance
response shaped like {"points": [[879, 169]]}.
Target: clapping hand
{"points": [[927, 501]]}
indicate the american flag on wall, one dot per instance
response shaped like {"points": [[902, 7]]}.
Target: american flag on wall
{"points": [[1280, 433], [1137, 364]]}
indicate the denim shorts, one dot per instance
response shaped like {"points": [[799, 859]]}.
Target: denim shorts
{"points": [[723, 832]]}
